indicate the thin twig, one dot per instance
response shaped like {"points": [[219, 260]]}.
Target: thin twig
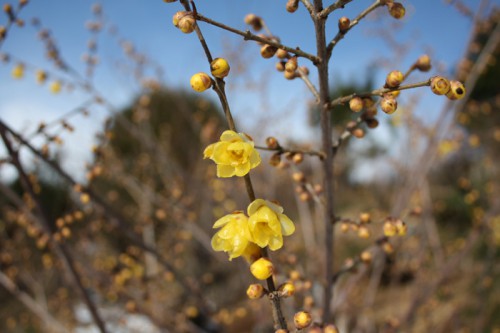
{"points": [[334, 6], [309, 84], [60, 249], [340, 35], [308, 5], [376, 92], [247, 35]]}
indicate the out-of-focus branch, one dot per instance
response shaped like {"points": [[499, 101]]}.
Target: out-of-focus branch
{"points": [[334, 6], [40, 311]]}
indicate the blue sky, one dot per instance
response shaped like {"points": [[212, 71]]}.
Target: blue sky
{"points": [[429, 27]]}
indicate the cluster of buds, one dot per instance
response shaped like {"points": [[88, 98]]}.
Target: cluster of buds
{"points": [[360, 227], [394, 226], [388, 103], [452, 89], [219, 67]]}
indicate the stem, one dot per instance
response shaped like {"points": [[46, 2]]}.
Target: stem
{"points": [[326, 138]]}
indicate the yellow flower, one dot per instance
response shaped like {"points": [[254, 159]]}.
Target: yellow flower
{"points": [[18, 71], [268, 224], [234, 154], [55, 87], [234, 237]]}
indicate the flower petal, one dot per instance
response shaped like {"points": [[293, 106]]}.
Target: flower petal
{"points": [[225, 171], [230, 136], [254, 205], [287, 226]]}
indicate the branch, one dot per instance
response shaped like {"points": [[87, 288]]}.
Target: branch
{"points": [[32, 304], [247, 35], [308, 6], [334, 6], [309, 84], [340, 35], [377, 92]]}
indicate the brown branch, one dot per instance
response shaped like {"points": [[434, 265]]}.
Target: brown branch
{"points": [[309, 84], [283, 150], [340, 35], [334, 6], [39, 310], [247, 35], [376, 92], [308, 5]]}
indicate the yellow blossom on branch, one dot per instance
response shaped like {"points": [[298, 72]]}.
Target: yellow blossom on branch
{"points": [[234, 154], [234, 237], [268, 224]]}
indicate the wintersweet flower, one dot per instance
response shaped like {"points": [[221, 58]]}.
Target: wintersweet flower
{"points": [[268, 224], [234, 154], [234, 237]]}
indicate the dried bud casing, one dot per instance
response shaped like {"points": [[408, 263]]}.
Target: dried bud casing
{"points": [[356, 104], [457, 90], [440, 85], [267, 51], [394, 79], [388, 104], [344, 24]]}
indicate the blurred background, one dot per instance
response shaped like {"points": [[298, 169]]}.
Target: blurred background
{"points": [[101, 126]]}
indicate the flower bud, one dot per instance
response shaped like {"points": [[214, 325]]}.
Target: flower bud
{"points": [[358, 133], [330, 328], [255, 291], [299, 177], [344, 24], [254, 21], [356, 104], [368, 102], [292, 6], [55, 87], [440, 85], [291, 65], [3, 32], [401, 227], [394, 79], [457, 90], [363, 232], [397, 10], [262, 268], [298, 158], [272, 142], [388, 104], [186, 23], [287, 289], [280, 66], [366, 257], [200, 82], [388, 248], [344, 227], [177, 16], [365, 217], [389, 229], [423, 63], [41, 76], [282, 54], [290, 75], [275, 159], [302, 319], [219, 68], [267, 51], [371, 122], [18, 71]]}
